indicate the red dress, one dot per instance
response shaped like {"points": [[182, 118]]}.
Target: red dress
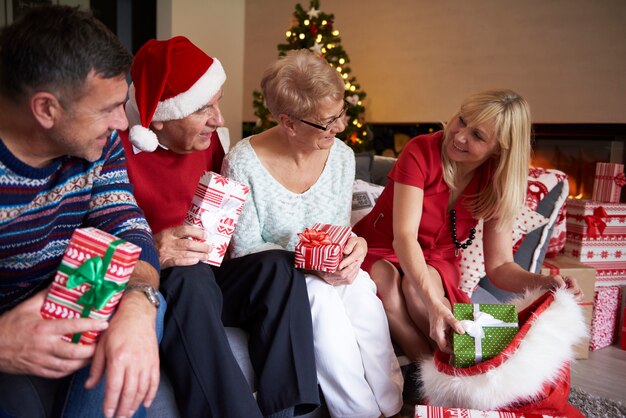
{"points": [[420, 165]]}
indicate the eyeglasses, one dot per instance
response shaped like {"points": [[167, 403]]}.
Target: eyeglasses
{"points": [[333, 120]]}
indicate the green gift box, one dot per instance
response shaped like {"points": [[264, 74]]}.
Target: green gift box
{"points": [[488, 330]]}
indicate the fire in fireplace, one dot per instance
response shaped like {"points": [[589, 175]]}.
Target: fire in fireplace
{"points": [[575, 149]]}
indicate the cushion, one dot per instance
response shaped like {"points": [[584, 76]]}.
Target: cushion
{"points": [[364, 197], [381, 168], [363, 166], [472, 263], [540, 182]]}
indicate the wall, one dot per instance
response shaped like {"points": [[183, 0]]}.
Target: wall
{"points": [[6, 8], [216, 27], [418, 59]]}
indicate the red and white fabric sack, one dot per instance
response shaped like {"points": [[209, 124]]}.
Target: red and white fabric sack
{"points": [[530, 376]]}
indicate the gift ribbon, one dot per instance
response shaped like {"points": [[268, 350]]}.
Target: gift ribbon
{"points": [[620, 179], [93, 272], [595, 222], [228, 206], [475, 328], [314, 238]]}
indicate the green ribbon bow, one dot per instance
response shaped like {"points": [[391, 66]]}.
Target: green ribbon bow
{"points": [[93, 272]]}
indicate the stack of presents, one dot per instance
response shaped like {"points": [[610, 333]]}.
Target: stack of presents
{"points": [[596, 248]]}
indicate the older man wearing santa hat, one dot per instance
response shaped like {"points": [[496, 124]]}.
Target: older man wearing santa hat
{"points": [[173, 111]]}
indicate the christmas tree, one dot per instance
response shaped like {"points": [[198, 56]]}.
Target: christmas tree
{"points": [[313, 29]]}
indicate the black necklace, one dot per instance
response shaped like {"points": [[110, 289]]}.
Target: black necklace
{"points": [[456, 242]]}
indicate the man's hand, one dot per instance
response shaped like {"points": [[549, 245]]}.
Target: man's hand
{"points": [[32, 345], [177, 246], [129, 352]]}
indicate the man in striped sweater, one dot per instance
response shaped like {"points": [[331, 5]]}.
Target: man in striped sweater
{"points": [[62, 167]]}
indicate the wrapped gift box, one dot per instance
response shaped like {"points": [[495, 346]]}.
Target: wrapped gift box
{"points": [[488, 330], [215, 207], [596, 236], [586, 278], [608, 182], [423, 411], [91, 278], [622, 325], [321, 247], [605, 317]]}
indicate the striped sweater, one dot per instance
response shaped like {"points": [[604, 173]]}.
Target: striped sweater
{"points": [[41, 207]]}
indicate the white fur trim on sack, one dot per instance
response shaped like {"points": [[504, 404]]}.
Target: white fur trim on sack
{"points": [[547, 346], [184, 104]]}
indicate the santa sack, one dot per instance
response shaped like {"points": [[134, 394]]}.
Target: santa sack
{"points": [[530, 376]]}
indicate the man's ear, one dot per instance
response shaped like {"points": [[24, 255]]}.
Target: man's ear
{"points": [[156, 126], [287, 123], [46, 108]]}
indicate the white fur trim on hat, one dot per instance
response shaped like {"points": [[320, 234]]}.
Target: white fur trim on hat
{"points": [[545, 349], [142, 139], [198, 95]]}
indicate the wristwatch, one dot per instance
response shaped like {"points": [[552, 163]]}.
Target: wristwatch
{"points": [[147, 290]]}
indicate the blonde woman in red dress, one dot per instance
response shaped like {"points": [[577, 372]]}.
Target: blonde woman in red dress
{"points": [[441, 185]]}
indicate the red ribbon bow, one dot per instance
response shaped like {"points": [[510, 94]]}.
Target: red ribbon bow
{"points": [[314, 238], [620, 179], [595, 222]]}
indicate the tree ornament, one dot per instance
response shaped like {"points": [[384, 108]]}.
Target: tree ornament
{"points": [[313, 13], [317, 48]]}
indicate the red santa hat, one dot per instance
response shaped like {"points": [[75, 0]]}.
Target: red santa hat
{"points": [[170, 80]]}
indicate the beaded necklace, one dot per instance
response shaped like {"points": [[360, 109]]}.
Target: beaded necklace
{"points": [[456, 242]]}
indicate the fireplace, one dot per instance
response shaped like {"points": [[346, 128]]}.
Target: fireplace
{"points": [[575, 149]]}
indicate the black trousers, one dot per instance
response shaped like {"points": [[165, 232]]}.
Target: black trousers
{"points": [[26, 396], [266, 296]]}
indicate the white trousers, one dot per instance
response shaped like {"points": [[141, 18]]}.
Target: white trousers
{"points": [[356, 366]]}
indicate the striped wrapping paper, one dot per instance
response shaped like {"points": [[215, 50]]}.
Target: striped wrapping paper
{"points": [[608, 182], [321, 247], [89, 244], [215, 207], [596, 236], [423, 411]]}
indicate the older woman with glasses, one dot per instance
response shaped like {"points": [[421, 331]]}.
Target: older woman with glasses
{"points": [[300, 174]]}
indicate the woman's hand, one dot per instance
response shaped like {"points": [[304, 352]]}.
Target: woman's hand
{"points": [[442, 324], [553, 282], [354, 252], [180, 246]]}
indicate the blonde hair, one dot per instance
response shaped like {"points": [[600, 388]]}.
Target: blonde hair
{"points": [[505, 192], [296, 83]]}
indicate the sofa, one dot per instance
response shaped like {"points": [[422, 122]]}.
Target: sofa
{"points": [[373, 170]]}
